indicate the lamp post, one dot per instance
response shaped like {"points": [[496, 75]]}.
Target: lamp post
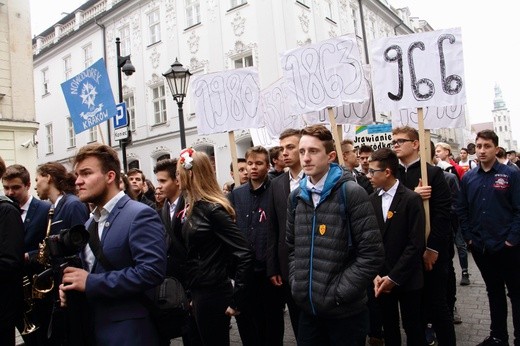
{"points": [[178, 78], [124, 65]]}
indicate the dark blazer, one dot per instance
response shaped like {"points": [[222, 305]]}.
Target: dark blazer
{"points": [[403, 237], [133, 243], [277, 257], [35, 224], [175, 247], [69, 212]]}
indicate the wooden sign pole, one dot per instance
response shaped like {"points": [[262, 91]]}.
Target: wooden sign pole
{"points": [[336, 135], [234, 157], [425, 154]]}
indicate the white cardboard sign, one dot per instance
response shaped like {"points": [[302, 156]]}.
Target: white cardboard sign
{"points": [[226, 101], [434, 117], [274, 109], [418, 70], [326, 74]]}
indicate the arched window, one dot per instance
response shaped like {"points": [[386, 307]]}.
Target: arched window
{"points": [[163, 157], [133, 164]]}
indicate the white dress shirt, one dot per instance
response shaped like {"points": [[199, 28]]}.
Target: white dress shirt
{"points": [[387, 197]]}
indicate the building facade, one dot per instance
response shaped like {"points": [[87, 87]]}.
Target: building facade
{"points": [[205, 36], [18, 127], [502, 121]]}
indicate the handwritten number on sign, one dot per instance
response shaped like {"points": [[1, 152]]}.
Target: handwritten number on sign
{"points": [[399, 58], [310, 62], [291, 64], [416, 84], [352, 65], [334, 83], [447, 82]]}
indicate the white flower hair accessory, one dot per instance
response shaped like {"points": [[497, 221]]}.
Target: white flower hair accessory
{"points": [[186, 160]]}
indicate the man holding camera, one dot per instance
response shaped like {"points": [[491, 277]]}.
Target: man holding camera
{"points": [[125, 257]]}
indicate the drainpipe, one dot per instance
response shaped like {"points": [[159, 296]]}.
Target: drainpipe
{"points": [[109, 134]]}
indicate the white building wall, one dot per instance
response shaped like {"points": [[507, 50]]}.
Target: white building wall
{"points": [[262, 28]]}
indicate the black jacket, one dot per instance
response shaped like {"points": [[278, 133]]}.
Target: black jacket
{"points": [[439, 203], [335, 249], [212, 239], [403, 237], [11, 260]]}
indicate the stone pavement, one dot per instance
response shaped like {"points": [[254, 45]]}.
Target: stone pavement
{"points": [[472, 304]]}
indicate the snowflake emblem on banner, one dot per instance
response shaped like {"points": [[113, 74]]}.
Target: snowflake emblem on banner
{"points": [[88, 94]]}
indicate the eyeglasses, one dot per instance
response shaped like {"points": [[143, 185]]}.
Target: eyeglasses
{"points": [[401, 141], [372, 171]]}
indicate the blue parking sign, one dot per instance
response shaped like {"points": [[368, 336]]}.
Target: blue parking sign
{"points": [[120, 120], [89, 97]]}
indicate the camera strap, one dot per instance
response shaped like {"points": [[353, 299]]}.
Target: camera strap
{"points": [[95, 246]]}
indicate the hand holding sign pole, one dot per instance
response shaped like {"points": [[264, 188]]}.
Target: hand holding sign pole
{"points": [[418, 71]]}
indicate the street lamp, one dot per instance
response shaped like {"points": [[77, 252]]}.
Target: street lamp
{"points": [[124, 65], [178, 78]]}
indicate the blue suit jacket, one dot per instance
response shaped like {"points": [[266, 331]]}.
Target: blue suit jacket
{"points": [[133, 243], [69, 212], [35, 224]]}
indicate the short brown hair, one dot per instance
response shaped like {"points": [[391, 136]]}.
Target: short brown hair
{"points": [[488, 134], [167, 165], [387, 159], [2, 167], [274, 152], [412, 133], [258, 149], [346, 142], [63, 180], [322, 133], [106, 155], [134, 171], [18, 171], [290, 132]]}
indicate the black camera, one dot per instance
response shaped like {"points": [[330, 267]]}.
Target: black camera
{"points": [[68, 243]]}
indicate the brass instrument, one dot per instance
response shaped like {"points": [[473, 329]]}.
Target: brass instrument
{"points": [[43, 283], [28, 326], [43, 255]]}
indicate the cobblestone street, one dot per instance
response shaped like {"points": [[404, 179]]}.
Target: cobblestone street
{"points": [[472, 305]]}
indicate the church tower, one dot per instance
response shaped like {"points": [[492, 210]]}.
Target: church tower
{"points": [[501, 121]]}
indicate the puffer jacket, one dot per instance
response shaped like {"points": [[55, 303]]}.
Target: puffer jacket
{"points": [[335, 250], [212, 239]]}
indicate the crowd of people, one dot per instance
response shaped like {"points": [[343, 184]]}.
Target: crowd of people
{"points": [[354, 251]]}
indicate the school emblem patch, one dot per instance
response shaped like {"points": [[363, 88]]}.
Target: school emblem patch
{"points": [[501, 182], [322, 229]]}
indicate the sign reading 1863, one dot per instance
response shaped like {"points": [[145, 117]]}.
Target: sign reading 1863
{"points": [[89, 97]]}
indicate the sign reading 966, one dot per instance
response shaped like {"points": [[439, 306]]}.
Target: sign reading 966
{"points": [[418, 70]]}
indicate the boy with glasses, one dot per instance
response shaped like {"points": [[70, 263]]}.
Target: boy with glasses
{"points": [[436, 256]]}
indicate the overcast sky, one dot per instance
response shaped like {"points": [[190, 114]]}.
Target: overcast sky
{"points": [[488, 35]]}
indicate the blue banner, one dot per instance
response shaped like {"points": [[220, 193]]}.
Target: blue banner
{"points": [[89, 97]]}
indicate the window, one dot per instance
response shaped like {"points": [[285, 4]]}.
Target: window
{"points": [[133, 164], [67, 67], [159, 105], [45, 81], [499, 118], [154, 26], [130, 108], [235, 3], [92, 134], [71, 135], [329, 10], [163, 157], [505, 128], [500, 128], [245, 61], [355, 21], [192, 12], [124, 37], [87, 55], [49, 138]]}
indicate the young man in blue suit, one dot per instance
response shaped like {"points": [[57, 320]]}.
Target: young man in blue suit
{"points": [[131, 237]]}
